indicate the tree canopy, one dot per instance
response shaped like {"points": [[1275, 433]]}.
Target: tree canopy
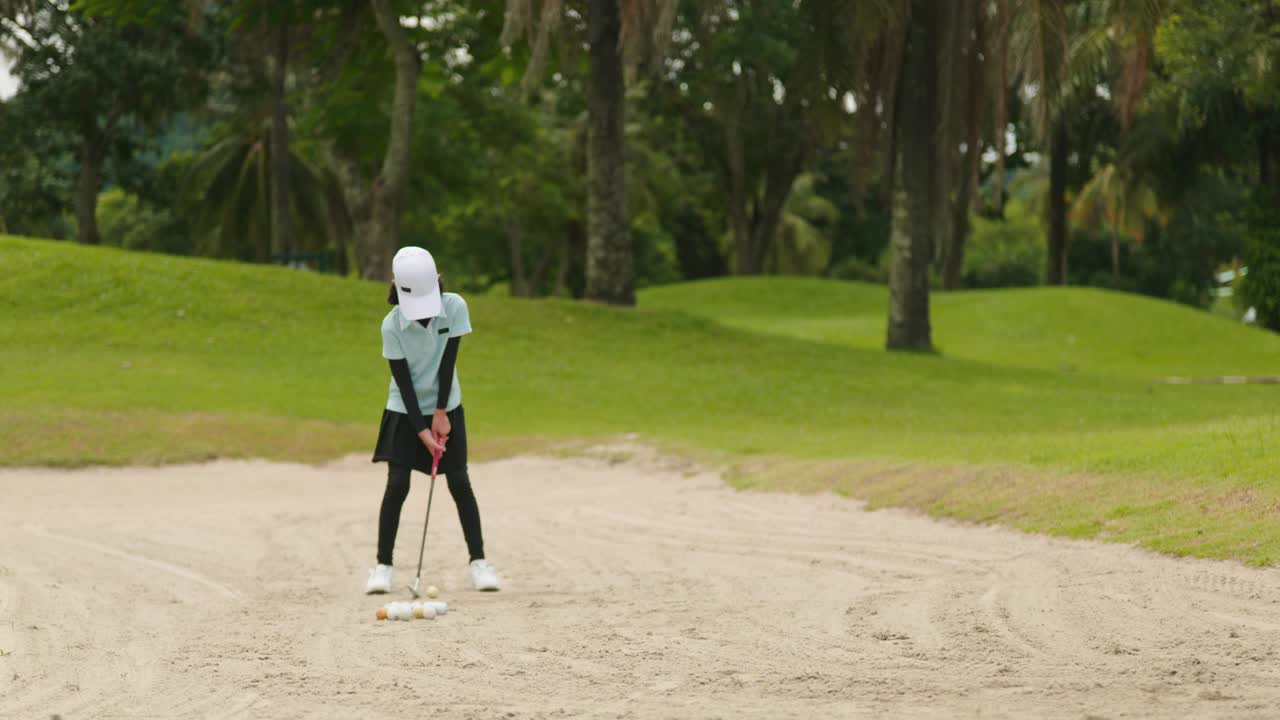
{"points": [[586, 147]]}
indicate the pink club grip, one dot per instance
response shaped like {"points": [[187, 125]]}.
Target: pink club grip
{"points": [[435, 457]]}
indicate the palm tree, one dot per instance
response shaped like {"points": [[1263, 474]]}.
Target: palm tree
{"points": [[281, 218], [262, 28], [228, 191], [802, 245], [964, 105], [614, 30], [1120, 201], [1062, 49], [1039, 42], [916, 191], [999, 82]]}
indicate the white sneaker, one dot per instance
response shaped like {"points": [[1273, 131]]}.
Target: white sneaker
{"points": [[483, 576], [379, 580]]}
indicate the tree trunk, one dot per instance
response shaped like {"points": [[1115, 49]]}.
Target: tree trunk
{"points": [[610, 258], [340, 220], [539, 279], [515, 244], [862, 150], [953, 260], [909, 327], [572, 275], [260, 224], [1001, 125], [384, 226], [562, 264], [952, 84], [1268, 172], [741, 214], [1272, 150], [754, 230], [754, 215], [93, 151], [753, 254], [1275, 166], [341, 261], [1115, 257], [352, 195], [911, 243], [894, 59], [281, 215], [783, 167], [866, 141], [698, 253], [1059, 152], [744, 237], [91, 157]]}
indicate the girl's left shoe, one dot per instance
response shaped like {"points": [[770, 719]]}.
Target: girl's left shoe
{"points": [[484, 577], [379, 580]]}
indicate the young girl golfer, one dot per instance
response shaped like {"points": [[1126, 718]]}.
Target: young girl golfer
{"points": [[420, 338]]}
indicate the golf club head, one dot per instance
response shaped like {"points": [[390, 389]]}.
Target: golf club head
{"points": [[415, 587]]}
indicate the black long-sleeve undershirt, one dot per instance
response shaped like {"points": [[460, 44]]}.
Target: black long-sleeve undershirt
{"points": [[404, 381], [444, 380]]}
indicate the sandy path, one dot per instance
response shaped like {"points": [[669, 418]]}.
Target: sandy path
{"points": [[635, 590]]}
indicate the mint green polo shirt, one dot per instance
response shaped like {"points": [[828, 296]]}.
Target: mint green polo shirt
{"points": [[423, 347]]}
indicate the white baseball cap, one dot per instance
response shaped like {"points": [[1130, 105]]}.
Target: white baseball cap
{"points": [[417, 283]]}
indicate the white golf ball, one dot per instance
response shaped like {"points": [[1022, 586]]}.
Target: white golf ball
{"points": [[428, 612], [432, 591], [401, 611], [439, 606]]}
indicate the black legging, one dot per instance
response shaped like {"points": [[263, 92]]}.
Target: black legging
{"points": [[398, 490]]}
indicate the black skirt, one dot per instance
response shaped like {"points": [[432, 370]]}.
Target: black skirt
{"points": [[400, 445]]}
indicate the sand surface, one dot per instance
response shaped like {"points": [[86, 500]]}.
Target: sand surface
{"points": [[635, 589]]}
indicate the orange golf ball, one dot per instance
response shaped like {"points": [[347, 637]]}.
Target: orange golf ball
{"points": [[382, 613]]}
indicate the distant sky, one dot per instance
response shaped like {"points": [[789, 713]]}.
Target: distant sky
{"points": [[8, 84]]}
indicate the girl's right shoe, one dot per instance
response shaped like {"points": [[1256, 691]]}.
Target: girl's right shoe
{"points": [[379, 580], [484, 577]]}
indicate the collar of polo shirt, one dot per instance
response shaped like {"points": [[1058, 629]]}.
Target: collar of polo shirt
{"points": [[405, 322]]}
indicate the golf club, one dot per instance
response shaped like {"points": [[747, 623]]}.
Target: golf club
{"points": [[435, 466]]}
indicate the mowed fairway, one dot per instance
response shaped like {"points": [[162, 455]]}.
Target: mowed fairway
{"points": [[636, 588]]}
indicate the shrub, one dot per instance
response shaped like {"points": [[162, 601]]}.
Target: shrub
{"points": [[129, 222], [1005, 253], [858, 270], [1260, 288]]}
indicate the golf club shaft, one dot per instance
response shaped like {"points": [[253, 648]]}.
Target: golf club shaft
{"points": [[423, 546]]}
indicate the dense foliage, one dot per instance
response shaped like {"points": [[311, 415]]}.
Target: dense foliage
{"points": [[757, 137]]}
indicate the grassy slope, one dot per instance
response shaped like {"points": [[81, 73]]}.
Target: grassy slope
{"points": [[1070, 330], [108, 356]]}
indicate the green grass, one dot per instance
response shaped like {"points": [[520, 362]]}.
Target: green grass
{"points": [[1039, 411], [1069, 330]]}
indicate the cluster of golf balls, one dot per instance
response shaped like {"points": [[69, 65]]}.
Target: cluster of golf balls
{"points": [[421, 610]]}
